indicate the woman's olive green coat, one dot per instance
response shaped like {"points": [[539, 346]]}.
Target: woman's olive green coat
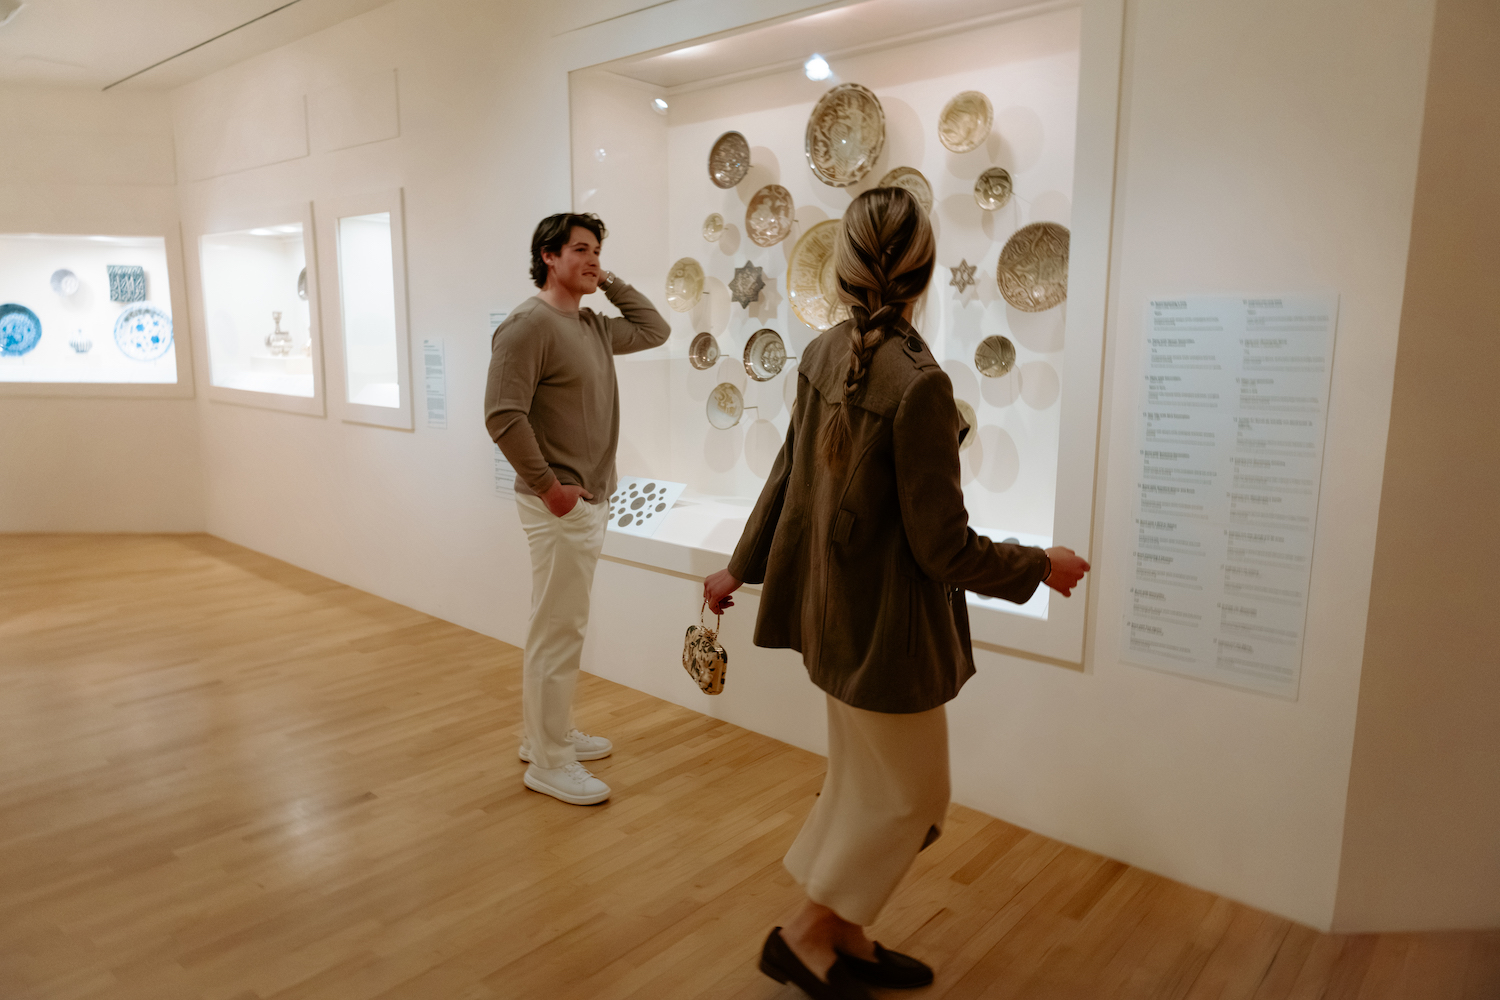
{"points": [[865, 564]]}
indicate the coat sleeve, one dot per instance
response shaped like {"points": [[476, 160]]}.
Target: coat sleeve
{"points": [[748, 564], [932, 501]]}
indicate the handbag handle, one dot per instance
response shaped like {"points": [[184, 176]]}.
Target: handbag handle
{"points": [[718, 618]]}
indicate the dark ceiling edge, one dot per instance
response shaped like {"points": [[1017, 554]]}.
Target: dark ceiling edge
{"points": [[203, 43]]}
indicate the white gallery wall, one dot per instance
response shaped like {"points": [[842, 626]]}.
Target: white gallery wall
{"points": [[1262, 149]]}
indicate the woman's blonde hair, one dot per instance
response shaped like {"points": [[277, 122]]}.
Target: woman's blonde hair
{"points": [[883, 258]]}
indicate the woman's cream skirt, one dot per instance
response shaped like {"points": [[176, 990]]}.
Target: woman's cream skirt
{"points": [[884, 799]]}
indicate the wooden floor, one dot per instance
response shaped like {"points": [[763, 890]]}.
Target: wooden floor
{"points": [[224, 777]]}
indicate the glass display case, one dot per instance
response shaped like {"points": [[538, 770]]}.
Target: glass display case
{"points": [[259, 310], [86, 310], [742, 176], [371, 354]]}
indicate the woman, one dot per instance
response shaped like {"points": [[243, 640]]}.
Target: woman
{"points": [[862, 541]]}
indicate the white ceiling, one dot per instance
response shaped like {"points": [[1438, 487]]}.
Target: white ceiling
{"points": [[93, 43]]}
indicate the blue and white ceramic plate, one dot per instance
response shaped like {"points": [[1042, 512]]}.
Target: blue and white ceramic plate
{"points": [[143, 332], [19, 330]]}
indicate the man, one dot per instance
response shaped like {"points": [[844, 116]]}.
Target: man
{"points": [[553, 406]]}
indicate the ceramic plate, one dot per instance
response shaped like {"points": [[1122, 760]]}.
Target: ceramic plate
{"points": [[713, 227], [910, 178], [995, 356], [969, 417], [993, 188], [845, 135], [765, 355], [729, 160], [19, 330], [684, 284], [725, 404], [811, 284], [302, 285], [769, 216], [143, 332], [965, 121], [1033, 269], [64, 282], [703, 352]]}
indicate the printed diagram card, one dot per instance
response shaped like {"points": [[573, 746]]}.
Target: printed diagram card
{"points": [[639, 504]]}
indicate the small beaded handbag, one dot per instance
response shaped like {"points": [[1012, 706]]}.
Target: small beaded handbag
{"points": [[702, 656]]}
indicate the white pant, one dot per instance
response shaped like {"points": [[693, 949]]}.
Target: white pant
{"points": [[564, 552]]}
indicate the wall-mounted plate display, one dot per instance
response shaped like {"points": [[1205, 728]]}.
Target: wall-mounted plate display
{"points": [[127, 282], [1033, 269], [769, 216], [713, 227], [765, 355], [143, 332], [747, 284], [965, 121], [65, 282], [912, 180], [684, 284], [703, 352], [728, 160], [20, 330], [993, 188], [845, 135], [995, 356], [811, 283], [971, 419], [726, 404]]}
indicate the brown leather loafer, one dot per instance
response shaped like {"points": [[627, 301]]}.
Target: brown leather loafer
{"points": [[891, 969], [778, 961]]}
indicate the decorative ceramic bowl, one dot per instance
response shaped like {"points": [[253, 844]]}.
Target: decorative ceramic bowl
{"points": [[729, 160], [713, 227], [684, 284], [20, 329], [725, 405], [811, 283], [143, 332], [972, 419], [765, 355], [769, 216], [965, 121], [845, 135], [995, 356], [1033, 269], [64, 282], [703, 352], [910, 178], [993, 188]]}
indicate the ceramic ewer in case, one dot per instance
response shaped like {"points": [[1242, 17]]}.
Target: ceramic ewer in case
{"points": [[729, 160], [1033, 269], [845, 135], [965, 121], [278, 341]]}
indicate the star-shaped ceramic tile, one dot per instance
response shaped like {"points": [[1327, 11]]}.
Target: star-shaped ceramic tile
{"points": [[963, 276], [747, 284]]}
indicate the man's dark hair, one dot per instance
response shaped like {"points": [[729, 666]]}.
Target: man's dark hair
{"points": [[552, 235]]}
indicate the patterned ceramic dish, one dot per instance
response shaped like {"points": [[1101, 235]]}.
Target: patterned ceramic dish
{"points": [[64, 282], [703, 352], [972, 419], [811, 284], [747, 284], [143, 332], [993, 188], [713, 227], [910, 178], [965, 121], [845, 135], [19, 330], [995, 356], [769, 216], [729, 160], [1033, 269], [684, 284], [127, 282], [765, 355], [725, 405]]}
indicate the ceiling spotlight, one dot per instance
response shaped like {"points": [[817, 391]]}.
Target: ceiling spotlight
{"points": [[816, 68], [660, 106]]}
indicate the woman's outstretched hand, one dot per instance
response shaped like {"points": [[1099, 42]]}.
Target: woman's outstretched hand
{"points": [[1068, 568], [716, 590]]}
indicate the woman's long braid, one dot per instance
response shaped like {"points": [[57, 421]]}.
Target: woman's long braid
{"points": [[884, 259]]}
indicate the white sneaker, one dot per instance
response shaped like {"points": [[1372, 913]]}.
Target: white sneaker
{"points": [[587, 747], [571, 783]]}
